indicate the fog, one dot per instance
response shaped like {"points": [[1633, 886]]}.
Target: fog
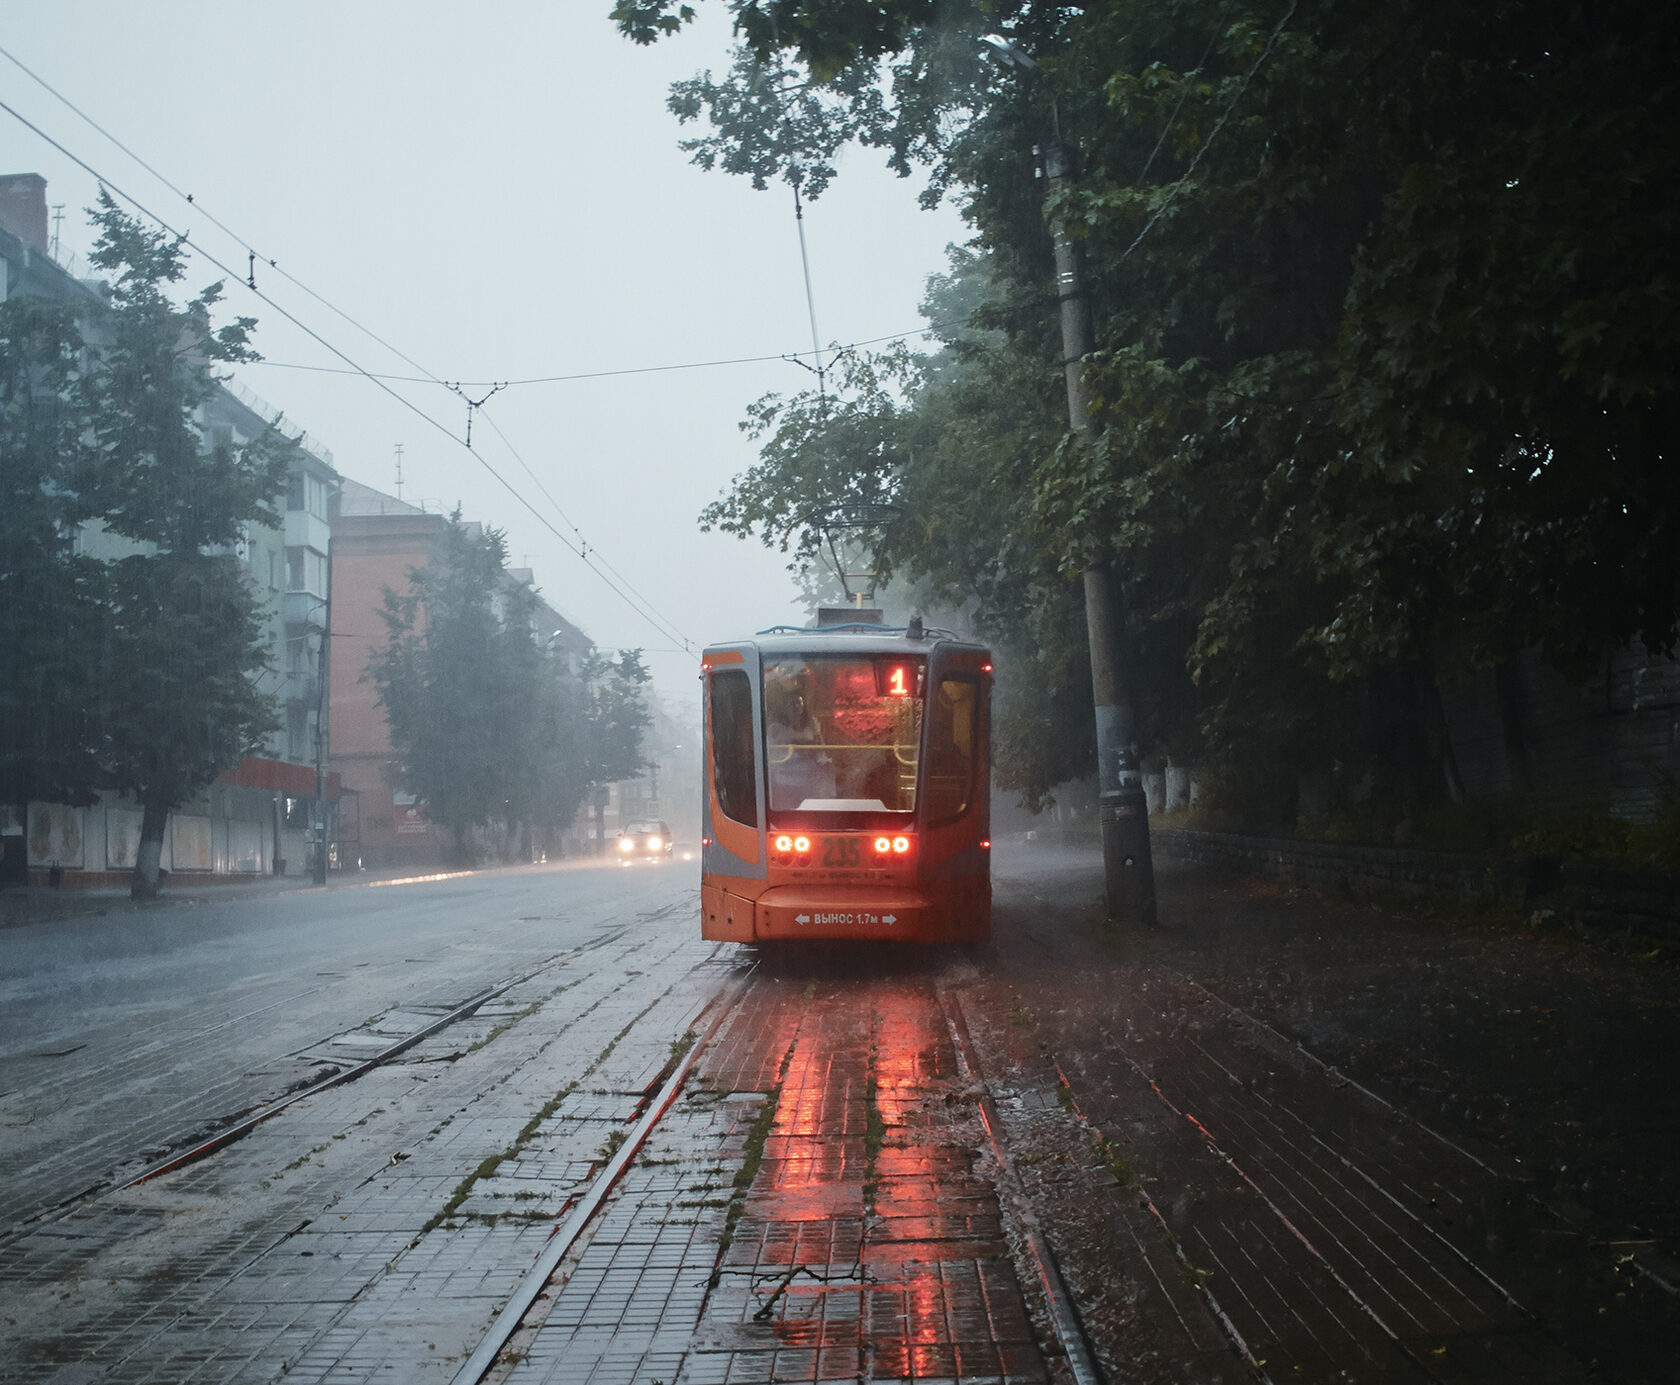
{"points": [[498, 196]]}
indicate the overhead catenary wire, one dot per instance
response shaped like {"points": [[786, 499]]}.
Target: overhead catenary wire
{"points": [[834, 349], [188, 197], [353, 367], [1213, 134], [592, 556]]}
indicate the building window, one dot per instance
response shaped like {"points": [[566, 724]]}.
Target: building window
{"points": [[306, 492], [297, 732], [306, 571]]}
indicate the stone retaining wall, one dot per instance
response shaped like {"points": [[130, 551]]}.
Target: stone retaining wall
{"points": [[1598, 894]]}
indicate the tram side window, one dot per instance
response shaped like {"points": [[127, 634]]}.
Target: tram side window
{"points": [[953, 727], [733, 767]]}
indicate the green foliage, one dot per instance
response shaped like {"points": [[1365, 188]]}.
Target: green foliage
{"points": [[178, 705], [153, 479], [132, 673], [50, 616], [769, 126], [1383, 385], [183, 630], [445, 683], [615, 717], [488, 729]]}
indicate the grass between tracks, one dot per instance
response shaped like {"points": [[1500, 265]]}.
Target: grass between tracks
{"points": [[488, 1166], [752, 1156]]}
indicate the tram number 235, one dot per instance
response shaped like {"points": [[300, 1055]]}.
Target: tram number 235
{"points": [[841, 851]]}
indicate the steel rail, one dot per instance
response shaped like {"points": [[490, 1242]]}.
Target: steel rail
{"points": [[469, 1007], [241, 1128], [566, 1235], [1064, 1314]]}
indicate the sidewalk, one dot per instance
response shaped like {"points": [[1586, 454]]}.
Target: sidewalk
{"points": [[1541, 1051], [21, 905]]}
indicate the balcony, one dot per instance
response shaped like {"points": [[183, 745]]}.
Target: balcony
{"points": [[304, 688], [305, 608]]}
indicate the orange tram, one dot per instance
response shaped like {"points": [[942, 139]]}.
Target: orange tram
{"points": [[847, 787]]}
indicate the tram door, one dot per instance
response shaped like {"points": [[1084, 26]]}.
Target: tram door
{"points": [[733, 866]]}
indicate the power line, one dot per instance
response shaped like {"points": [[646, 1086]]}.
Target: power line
{"points": [[581, 550], [187, 197], [648, 610], [1183, 178], [927, 329]]}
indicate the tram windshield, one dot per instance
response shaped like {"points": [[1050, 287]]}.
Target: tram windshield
{"points": [[842, 732]]}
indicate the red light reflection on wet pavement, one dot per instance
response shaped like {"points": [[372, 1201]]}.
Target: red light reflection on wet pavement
{"points": [[868, 1247]]}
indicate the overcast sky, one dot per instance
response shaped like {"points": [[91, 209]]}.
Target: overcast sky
{"points": [[495, 191]]}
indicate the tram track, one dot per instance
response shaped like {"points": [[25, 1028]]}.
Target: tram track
{"points": [[533, 1298], [1064, 1312], [578, 1216], [238, 1125]]}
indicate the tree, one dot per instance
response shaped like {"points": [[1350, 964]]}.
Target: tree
{"points": [[486, 726], [177, 705], [50, 616], [449, 689], [1385, 336], [615, 717]]}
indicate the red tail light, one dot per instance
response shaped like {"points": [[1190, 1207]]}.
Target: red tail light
{"points": [[892, 846]]}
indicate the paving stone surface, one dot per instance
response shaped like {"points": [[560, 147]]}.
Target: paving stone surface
{"points": [[814, 1209], [371, 1231]]}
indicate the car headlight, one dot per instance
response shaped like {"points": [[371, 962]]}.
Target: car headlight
{"points": [[625, 844], [654, 843]]}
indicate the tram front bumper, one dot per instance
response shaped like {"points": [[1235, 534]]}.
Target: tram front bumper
{"points": [[849, 911]]}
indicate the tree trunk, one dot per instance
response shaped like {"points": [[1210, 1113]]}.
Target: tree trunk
{"points": [[144, 882], [1441, 734], [1507, 687]]}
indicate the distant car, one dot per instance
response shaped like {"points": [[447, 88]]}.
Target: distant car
{"points": [[644, 841]]}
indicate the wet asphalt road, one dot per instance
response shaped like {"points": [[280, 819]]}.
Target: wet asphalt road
{"points": [[1202, 1124], [123, 1033]]}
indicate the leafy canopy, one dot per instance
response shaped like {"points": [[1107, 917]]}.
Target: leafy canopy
{"points": [[1385, 340]]}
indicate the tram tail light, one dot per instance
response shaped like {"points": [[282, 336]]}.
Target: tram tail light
{"points": [[789, 848], [892, 846]]}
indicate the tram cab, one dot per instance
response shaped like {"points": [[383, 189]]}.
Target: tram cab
{"points": [[847, 786]]}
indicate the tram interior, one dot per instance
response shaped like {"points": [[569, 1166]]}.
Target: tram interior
{"points": [[841, 736]]}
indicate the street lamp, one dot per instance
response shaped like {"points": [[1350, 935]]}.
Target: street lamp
{"points": [[1128, 869]]}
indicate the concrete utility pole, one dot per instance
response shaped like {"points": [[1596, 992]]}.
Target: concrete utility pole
{"points": [[1128, 870], [323, 670]]}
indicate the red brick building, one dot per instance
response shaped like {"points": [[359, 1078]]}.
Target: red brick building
{"points": [[377, 540]]}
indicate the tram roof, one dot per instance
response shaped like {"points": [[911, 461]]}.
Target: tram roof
{"points": [[859, 638]]}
